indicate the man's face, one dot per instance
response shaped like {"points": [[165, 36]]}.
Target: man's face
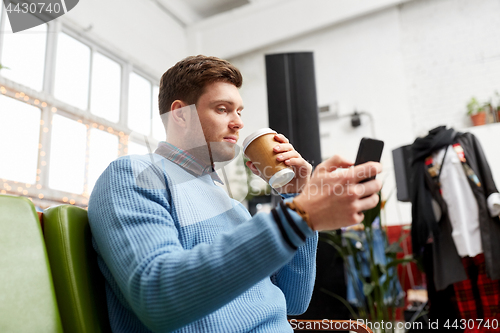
{"points": [[219, 109]]}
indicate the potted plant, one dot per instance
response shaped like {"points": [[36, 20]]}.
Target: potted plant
{"points": [[498, 106], [377, 288], [477, 112]]}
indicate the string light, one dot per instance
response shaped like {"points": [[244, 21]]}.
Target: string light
{"points": [[83, 199]]}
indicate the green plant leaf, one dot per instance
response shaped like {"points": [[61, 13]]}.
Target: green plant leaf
{"points": [[353, 236], [382, 269], [473, 107], [396, 246], [371, 214], [393, 248], [368, 288], [396, 262]]}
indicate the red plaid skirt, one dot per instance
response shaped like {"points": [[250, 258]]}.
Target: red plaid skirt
{"points": [[478, 297]]}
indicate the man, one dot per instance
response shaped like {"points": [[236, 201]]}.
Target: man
{"points": [[178, 254]]}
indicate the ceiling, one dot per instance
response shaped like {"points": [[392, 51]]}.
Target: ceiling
{"points": [[207, 8], [189, 12]]}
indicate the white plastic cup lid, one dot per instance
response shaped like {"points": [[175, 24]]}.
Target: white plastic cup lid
{"points": [[281, 178], [248, 140]]}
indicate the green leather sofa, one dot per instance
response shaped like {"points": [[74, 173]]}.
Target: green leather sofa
{"points": [[49, 282]]}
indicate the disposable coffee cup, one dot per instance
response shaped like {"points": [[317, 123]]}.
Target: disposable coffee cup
{"points": [[258, 147]]}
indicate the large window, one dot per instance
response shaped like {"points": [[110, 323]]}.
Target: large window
{"points": [[24, 55], [159, 132], [103, 149], [105, 93], [59, 134], [139, 104], [67, 155], [136, 149], [72, 72], [19, 138]]}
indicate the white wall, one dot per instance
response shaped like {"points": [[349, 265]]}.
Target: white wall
{"points": [[451, 52], [412, 67], [138, 30]]}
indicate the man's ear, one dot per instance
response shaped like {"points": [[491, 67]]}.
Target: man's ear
{"points": [[179, 115]]}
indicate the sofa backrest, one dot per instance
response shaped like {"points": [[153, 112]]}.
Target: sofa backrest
{"points": [[79, 284], [27, 297]]}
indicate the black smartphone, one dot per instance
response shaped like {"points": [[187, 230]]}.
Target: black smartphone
{"points": [[369, 150]]}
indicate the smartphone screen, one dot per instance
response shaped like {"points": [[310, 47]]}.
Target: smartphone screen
{"points": [[369, 150]]}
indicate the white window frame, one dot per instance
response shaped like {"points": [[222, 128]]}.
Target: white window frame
{"points": [[40, 193]]}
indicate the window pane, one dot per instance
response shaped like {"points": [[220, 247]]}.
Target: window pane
{"points": [[19, 137], [2, 30], [139, 104], [158, 129], [24, 54], [136, 149], [72, 72], [103, 149], [105, 93], [67, 155]]}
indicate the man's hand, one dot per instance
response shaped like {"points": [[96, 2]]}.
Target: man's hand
{"points": [[286, 153], [335, 198]]}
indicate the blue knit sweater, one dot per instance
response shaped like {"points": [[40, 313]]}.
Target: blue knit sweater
{"points": [[179, 255]]}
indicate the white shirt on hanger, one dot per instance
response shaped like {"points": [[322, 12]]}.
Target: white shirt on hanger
{"points": [[463, 210]]}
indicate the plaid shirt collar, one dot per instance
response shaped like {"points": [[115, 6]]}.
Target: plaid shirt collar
{"points": [[186, 160]]}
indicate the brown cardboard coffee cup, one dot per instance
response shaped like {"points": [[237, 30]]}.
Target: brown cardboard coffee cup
{"points": [[258, 147]]}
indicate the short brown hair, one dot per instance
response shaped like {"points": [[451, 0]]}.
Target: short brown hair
{"points": [[187, 79]]}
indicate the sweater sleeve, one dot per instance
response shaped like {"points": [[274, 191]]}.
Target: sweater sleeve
{"points": [[296, 279], [166, 285]]}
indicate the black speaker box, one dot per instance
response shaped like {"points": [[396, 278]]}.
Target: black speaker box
{"points": [[292, 103], [402, 168]]}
